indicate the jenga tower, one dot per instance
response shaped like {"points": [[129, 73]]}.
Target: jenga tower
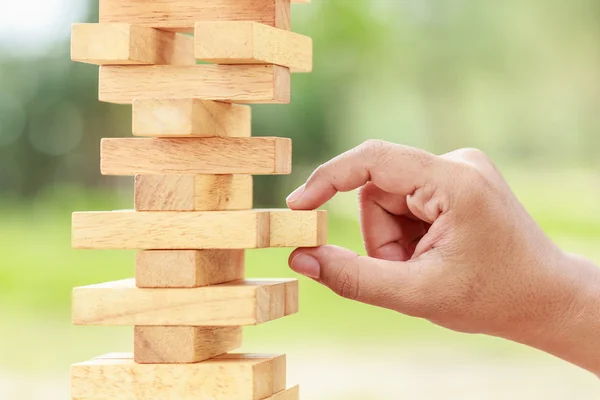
{"points": [[193, 215]]}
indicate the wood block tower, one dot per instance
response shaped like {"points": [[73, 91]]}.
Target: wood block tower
{"points": [[193, 162]]}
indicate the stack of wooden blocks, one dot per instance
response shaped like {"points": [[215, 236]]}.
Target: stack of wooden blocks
{"points": [[193, 215]]}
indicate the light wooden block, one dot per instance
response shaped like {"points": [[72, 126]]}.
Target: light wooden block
{"points": [[193, 192], [171, 230], [187, 268], [125, 44], [183, 344], [289, 228], [227, 377], [254, 156], [290, 394], [230, 83], [248, 42], [190, 117], [182, 15], [291, 297], [236, 303], [158, 230]]}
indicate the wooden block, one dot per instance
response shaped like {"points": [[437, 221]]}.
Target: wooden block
{"points": [[158, 230], [193, 192], [290, 394], [248, 42], [291, 297], [125, 44], [182, 15], [255, 156], [187, 268], [298, 228], [190, 117], [171, 230], [236, 303], [227, 377], [231, 83], [183, 344]]}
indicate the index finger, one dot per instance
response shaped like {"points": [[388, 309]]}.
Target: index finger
{"points": [[392, 167]]}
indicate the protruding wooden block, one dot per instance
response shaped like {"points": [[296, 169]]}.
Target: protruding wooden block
{"points": [[254, 156], [288, 228], [227, 377], [124, 44], [183, 344], [187, 268], [231, 83], [190, 117], [236, 303], [193, 192], [171, 230], [248, 42], [158, 230], [182, 16]]}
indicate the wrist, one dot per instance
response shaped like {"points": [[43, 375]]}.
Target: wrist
{"points": [[571, 329]]}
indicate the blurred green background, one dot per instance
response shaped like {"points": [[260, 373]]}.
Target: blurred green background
{"points": [[518, 79]]}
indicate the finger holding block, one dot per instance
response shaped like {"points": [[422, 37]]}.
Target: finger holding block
{"points": [[227, 377], [183, 344], [189, 118], [193, 192], [187, 268]]}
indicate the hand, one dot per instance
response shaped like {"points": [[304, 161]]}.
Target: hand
{"points": [[448, 241]]}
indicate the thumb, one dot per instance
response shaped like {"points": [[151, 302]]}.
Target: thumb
{"points": [[390, 284]]}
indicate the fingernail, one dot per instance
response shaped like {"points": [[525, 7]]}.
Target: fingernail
{"points": [[296, 194], [306, 265]]}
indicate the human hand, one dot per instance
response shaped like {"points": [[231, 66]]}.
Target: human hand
{"points": [[449, 242]]}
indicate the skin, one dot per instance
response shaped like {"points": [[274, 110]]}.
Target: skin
{"points": [[448, 241]]}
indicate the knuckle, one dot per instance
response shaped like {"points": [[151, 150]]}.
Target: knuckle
{"points": [[346, 282], [374, 150], [474, 155]]}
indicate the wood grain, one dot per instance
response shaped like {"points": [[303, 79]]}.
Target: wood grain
{"points": [[291, 298], [183, 344], [181, 15], [125, 44], [158, 230], [260, 84], [171, 230], [248, 42], [190, 117], [193, 192], [236, 303], [187, 268], [254, 156], [288, 228], [227, 377]]}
